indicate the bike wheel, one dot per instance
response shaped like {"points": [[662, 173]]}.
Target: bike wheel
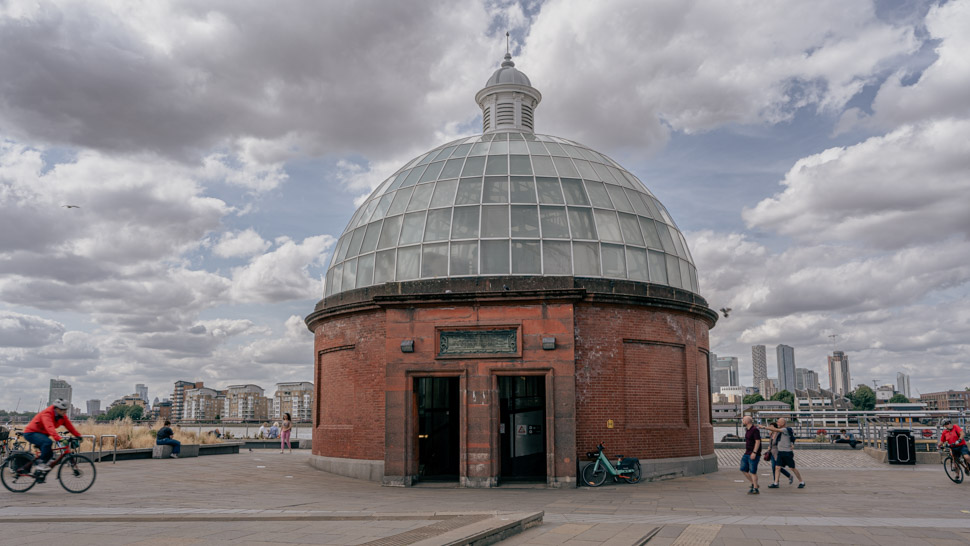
{"points": [[955, 476], [594, 474], [634, 476], [16, 473], [76, 473]]}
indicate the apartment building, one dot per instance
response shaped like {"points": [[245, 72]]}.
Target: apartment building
{"points": [[201, 404], [245, 403], [178, 397], [294, 398]]}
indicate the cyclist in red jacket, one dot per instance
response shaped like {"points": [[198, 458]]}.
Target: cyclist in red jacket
{"points": [[953, 435], [43, 427]]}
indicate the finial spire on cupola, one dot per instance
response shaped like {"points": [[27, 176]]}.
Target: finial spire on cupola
{"points": [[508, 99]]}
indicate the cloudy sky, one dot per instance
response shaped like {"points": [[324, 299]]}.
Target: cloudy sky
{"points": [[816, 155]]}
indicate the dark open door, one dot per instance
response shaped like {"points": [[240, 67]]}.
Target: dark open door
{"points": [[522, 416], [438, 428]]}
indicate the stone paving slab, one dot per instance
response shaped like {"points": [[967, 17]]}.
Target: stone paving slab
{"points": [[289, 502], [820, 459], [276, 527]]}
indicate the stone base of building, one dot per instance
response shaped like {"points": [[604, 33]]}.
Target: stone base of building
{"points": [[678, 467], [361, 469], [653, 470]]}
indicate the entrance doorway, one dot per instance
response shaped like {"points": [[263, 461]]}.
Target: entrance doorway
{"points": [[522, 419], [438, 414]]}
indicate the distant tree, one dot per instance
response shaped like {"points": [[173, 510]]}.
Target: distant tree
{"points": [[752, 399], [899, 399], [863, 398], [120, 412], [786, 397]]}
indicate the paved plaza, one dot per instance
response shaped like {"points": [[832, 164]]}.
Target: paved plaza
{"points": [[268, 498]]}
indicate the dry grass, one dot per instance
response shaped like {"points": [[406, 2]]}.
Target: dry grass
{"points": [[131, 436]]}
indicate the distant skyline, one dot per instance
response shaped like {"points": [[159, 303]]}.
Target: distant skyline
{"points": [[172, 179]]}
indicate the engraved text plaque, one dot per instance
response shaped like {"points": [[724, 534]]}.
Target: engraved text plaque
{"points": [[478, 342]]}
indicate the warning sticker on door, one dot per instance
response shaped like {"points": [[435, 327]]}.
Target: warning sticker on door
{"points": [[521, 430]]}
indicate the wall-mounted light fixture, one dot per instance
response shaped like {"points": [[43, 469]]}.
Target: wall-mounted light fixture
{"points": [[407, 346], [548, 343]]}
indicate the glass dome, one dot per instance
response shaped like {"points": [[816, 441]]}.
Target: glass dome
{"points": [[511, 203]]}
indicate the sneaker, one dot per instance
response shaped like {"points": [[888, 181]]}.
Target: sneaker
{"points": [[773, 486], [42, 467], [173, 456], [791, 479], [801, 485], [753, 492], [750, 489]]}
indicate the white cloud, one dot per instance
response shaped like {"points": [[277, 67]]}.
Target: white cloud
{"points": [[282, 274], [241, 243], [626, 72], [170, 113], [245, 171], [293, 348], [18, 330], [178, 79], [199, 340], [941, 90], [909, 186]]}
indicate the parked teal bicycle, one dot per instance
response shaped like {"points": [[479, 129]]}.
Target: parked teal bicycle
{"points": [[595, 473]]}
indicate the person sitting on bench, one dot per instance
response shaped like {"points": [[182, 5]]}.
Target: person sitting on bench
{"points": [[164, 438]]}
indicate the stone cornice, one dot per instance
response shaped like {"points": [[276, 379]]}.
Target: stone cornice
{"points": [[513, 290]]}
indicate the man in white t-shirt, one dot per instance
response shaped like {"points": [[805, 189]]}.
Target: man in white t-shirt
{"points": [[786, 452]]}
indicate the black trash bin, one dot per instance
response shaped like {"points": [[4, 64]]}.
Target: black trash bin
{"points": [[901, 447]]}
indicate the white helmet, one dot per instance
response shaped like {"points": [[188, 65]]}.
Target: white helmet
{"points": [[60, 403]]}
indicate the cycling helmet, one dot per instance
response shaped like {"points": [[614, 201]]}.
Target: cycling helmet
{"points": [[945, 422], [60, 403]]}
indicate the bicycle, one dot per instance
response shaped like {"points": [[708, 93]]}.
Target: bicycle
{"points": [[594, 475], [6, 446], [962, 466], [75, 472]]}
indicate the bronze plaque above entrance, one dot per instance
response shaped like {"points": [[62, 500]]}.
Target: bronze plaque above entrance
{"points": [[478, 342]]}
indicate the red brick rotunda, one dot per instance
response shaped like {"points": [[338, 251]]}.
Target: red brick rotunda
{"points": [[502, 304]]}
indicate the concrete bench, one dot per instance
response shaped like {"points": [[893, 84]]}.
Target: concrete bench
{"points": [[164, 452]]}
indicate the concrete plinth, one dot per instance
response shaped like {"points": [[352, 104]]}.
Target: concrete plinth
{"points": [[361, 469], [164, 452]]}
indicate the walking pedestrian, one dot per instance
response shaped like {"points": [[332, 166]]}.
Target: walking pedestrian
{"points": [[285, 432], [752, 453], [786, 453], [772, 456]]}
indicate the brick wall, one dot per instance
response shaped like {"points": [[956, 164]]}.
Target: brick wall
{"points": [[479, 445], [349, 379], [641, 369], [638, 366]]}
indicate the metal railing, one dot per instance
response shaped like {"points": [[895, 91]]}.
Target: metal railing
{"points": [[870, 428], [94, 442], [114, 451]]}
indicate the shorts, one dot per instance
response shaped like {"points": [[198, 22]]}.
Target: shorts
{"points": [[786, 458], [748, 464], [960, 450]]}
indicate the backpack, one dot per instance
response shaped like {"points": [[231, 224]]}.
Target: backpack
{"points": [[791, 434]]}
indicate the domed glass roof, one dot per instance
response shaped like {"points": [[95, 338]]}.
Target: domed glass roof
{"points": [[510, 203]]}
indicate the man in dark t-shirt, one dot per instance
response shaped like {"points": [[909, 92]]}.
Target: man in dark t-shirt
{"points": [[164, 438], [752, 453]]}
